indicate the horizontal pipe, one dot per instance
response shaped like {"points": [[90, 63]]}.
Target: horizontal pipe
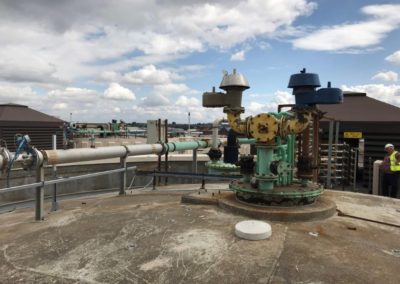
{"points": [[246, 140], [54, 157], [188, 175], [185, 145], [144, 149]]}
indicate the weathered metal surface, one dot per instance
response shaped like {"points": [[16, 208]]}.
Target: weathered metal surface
{"points": [[322, 208]]}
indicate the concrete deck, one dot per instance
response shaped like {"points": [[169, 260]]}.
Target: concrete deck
{"points": [[150, 237]]}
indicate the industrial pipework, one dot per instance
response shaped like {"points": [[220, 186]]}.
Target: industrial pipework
{"points": [[31, 158], [275, 140], [36, 158]]}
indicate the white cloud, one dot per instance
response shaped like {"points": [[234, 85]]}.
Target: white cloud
{"points": [[61, 46], [386, 93], [117, 92], [394, 57], [349, 36], [59, 106], [185, 101], [278, 98], [63, 41], [255, 108], [149, 74], [386, 76], [155, 100], [19, 95], [238, 56], [173, 88], [109, 76]]}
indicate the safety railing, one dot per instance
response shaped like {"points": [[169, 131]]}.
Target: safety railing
{"points": [[39, 185]]}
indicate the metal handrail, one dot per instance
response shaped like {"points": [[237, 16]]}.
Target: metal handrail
{"points": [[64, 179]]}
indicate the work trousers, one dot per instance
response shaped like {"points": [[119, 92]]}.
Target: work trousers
{"points": [[390, 183]]}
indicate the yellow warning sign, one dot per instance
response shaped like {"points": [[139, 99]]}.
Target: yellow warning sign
{"points": [[354, 135]]}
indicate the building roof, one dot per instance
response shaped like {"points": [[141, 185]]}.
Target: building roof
{"points": [[14, 114], [358, 107]]}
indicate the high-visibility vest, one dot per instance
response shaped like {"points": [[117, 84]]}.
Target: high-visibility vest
{"points": [[393, 166]]}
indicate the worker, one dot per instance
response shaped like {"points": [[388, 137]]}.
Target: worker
{"points": [[390, 168]]}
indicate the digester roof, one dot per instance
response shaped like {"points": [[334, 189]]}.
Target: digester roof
{"points": [[14, 113], [358, 107]]}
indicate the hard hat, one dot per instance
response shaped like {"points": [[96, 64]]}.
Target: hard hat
{"points": [[389, 146]]}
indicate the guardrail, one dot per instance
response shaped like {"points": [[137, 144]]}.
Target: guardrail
{"points": [[39, 198]]}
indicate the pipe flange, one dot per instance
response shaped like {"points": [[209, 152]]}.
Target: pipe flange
{"points": [[236, 110], [263, 127], [263, 177], [7, 157], [38, 158], [165, 149], [127, 153]]}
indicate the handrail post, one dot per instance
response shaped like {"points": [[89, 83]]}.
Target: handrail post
{"points": [[154, 180], [39, 199], [203, 183], [54, 203], [123, 174]]}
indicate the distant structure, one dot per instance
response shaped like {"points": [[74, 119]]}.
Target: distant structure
{"points": [[20, 119], [364, 119]]}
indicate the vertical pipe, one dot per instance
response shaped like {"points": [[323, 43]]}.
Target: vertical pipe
{"points": [[315, 147], [370, 174], [194, 165], [290, 156], [264, 159], [39, 198], [330, 139], [166, 153], [337, 133], [336, 148], [122, 181], [188, 123], [299, 147], [54, 203], [355, 169], [159, 140], [154, 180], [305, 144]]}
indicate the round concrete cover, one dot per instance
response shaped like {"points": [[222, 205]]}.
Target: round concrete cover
{"points": [[253, 230]]}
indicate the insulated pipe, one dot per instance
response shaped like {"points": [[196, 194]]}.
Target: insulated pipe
{"points": [[215, 126], [144, 149], [54, 157]]}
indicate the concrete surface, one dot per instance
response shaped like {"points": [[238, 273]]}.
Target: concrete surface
{"points": [[150, 237]]}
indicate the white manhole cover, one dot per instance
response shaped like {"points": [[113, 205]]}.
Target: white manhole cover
{"points": [[253, 230]]}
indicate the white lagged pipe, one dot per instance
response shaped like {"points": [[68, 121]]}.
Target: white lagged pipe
{"points": [[216, 123]]}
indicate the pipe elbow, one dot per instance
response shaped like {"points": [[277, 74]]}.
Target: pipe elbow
{"points": [[297, 124], [236, 123]]}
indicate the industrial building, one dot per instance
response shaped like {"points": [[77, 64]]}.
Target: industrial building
{"points": [[362, 118], [19, 119]]}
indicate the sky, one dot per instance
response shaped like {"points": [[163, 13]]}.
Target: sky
{"points": [[97, 60]]}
